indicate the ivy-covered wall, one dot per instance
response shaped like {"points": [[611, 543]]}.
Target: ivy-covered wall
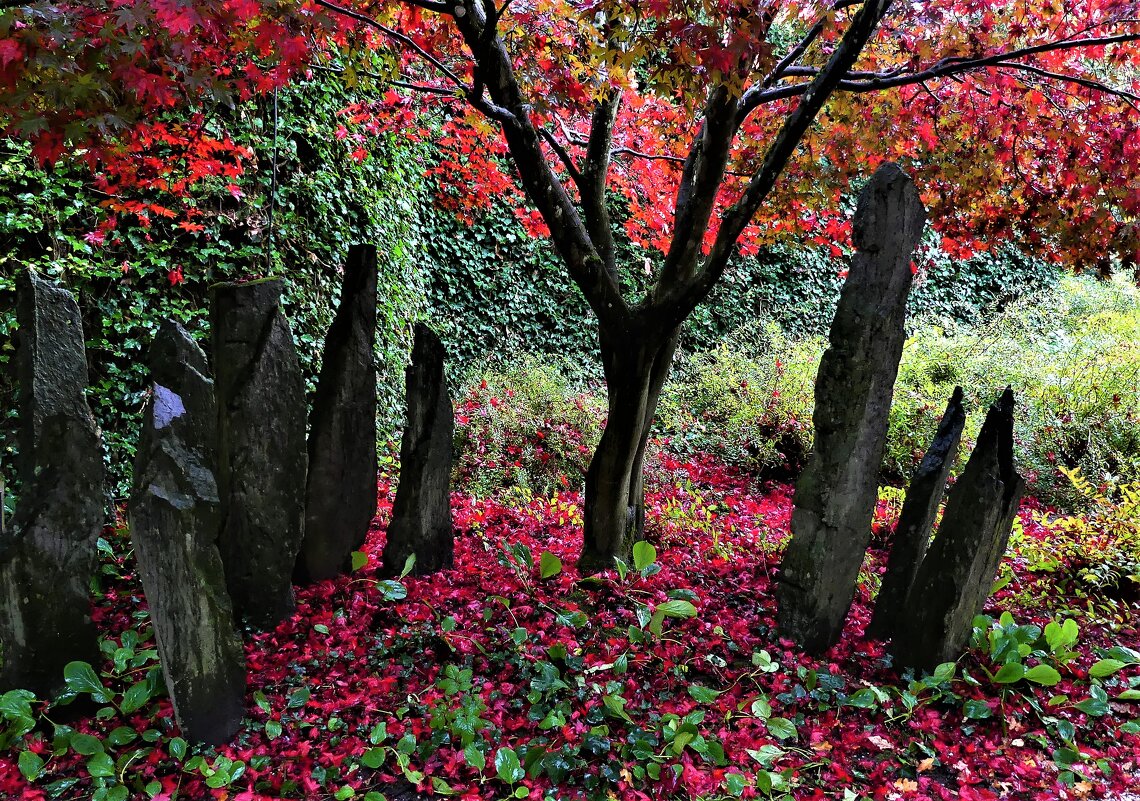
{"points": [[325, 201], [498, 292]]}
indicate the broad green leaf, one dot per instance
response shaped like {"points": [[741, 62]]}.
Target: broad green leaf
{"points": [[1105, 667], [944, 672], [359, 560], [474, 757], [1043, 675], [644, 555], [101, 766], [80, 677], [702, 694], [372, 758], [507, 766], [766, 754], [549, 565], [781, 728], [681, 609], [409, 566], [135, 697], [1009, 673], [86, 744], [31, 765], [975, 709]]}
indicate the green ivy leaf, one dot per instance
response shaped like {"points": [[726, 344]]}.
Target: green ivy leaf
{"points": [[1010, 672], [80, 677], [474, 757], [359, 560], [975, 709], [781, 728], [101, 766], [86, 744], [373, 758], [702, 694], [31, 765], [135, 697], [1043, 675], [1105, 668]]}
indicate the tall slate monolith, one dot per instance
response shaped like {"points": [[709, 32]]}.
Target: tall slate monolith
{"points": [[421, 513], [175, 518], [835, 495], [916, 520], [261, 448], [957, 574], [48, 554], [340, 499]]}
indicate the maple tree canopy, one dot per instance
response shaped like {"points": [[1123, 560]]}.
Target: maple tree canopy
{"points": [[1018, 121]]}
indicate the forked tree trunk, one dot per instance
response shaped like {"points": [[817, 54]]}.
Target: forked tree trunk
{"points": [[635, 370]]}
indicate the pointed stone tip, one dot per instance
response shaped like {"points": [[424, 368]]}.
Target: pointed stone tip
{"points": [[957, 396], [1005, 403]]}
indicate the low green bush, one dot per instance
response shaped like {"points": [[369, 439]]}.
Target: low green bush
{"points": [[1072, 356]]}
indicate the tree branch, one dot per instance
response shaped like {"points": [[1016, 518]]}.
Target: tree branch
{"points": [[595, 176], [396, 35], [861, 82], [494, 69], [671, 302]]}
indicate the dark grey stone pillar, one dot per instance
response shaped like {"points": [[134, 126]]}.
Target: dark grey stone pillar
{"points": [[175, 517], [835, 495]]}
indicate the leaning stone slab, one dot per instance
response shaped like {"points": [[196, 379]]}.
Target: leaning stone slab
{"points": [[175, 516], [261, 448], [340, 499], [835, 495], [916, 520], [957, 574], [48, 554], [421, 513]]}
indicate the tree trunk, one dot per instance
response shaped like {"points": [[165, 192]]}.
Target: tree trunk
{"points": [[636, 368]]}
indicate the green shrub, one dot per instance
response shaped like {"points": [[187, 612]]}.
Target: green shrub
{"points": [[531, 425], [749, 401]]}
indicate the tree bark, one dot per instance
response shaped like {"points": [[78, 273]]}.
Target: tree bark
{"points": [[636, 367]]}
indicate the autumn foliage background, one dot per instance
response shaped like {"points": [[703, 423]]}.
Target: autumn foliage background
{"points": [[158, 146]]}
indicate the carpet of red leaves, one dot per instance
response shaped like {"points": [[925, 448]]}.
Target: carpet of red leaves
{"points": [[350, 659]]}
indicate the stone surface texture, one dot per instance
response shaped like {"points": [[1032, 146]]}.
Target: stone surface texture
{"points": [[917, 518], [175, 518], [421, 513], [835, 496], [956, 576], [261, 448], [48, 553], [340, 499]]}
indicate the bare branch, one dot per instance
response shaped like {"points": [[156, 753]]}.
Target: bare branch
{"points": [[494, 69], [861, 82], [396, 35]]}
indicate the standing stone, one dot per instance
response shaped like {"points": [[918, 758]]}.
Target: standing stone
{"points": [[48, 554], [340, 500], [421, 513], [957, 574], [835, 496], [916, 520], [175, 516], [261, 448]]}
